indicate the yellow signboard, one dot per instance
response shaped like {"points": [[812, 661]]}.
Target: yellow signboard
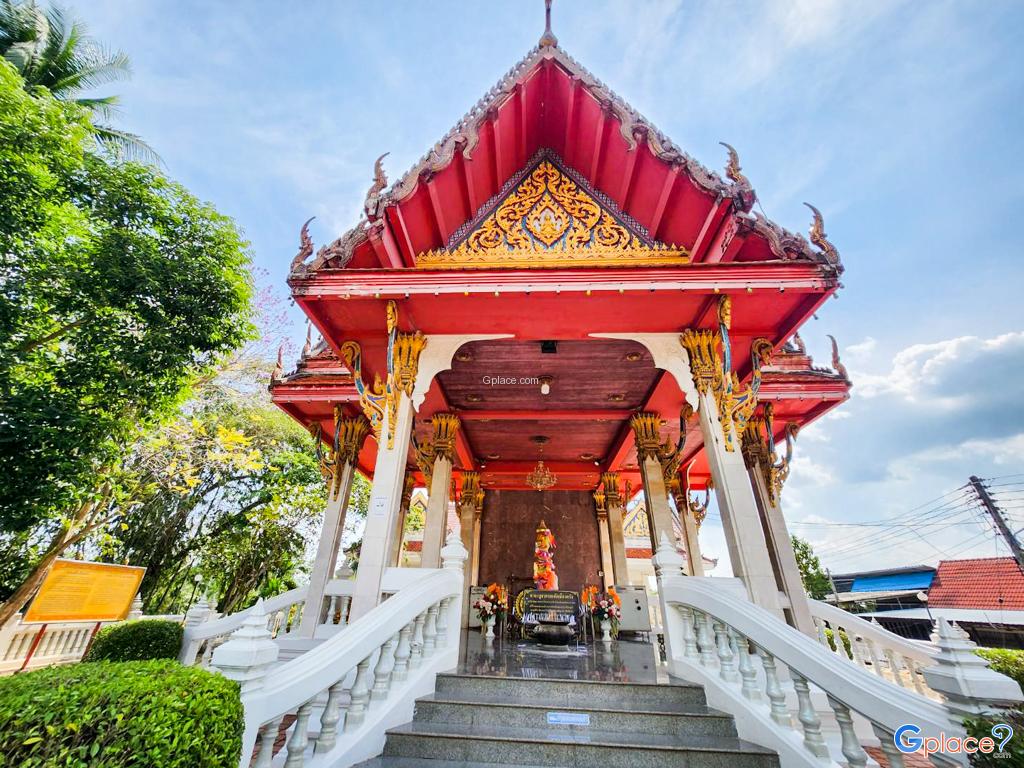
{"points": [[79, 591]]}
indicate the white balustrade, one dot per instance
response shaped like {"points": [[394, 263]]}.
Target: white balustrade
{"points": [[347, 690], [874, 648], [32, 646], [853, 688]]}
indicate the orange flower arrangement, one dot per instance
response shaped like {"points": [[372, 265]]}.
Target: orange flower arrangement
{"points": [[493, 603]]}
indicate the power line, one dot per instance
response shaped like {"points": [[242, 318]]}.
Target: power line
{"points": [[997, 517]]}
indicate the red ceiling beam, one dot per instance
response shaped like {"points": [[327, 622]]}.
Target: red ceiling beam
{"points": [[712, 225], [538, 415], [627, 177]]}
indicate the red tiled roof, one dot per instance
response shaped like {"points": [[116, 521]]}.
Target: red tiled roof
{"points": [[986, 583]]}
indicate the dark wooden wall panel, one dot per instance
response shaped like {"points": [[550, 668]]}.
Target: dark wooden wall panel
{"points": [[509, 524]]}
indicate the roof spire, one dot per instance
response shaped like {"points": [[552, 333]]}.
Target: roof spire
{"points": [[548, 39]]}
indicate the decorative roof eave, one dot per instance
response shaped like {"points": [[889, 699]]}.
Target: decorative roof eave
{"points": [[633, 126]]}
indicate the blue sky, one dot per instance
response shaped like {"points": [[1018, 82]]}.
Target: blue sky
{"points": [[901, 121]]}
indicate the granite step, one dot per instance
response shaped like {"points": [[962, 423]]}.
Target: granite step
{"points": [[571, 747], [477, 711], [413, 762], [565, 693]]}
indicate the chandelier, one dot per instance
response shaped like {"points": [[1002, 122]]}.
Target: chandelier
{"points": [[541, 478]]}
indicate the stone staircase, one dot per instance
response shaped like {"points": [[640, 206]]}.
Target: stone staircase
{"points": [[481, 721]]}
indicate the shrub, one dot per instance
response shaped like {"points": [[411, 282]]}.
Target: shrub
{"points": [[830, 635], [136, 714], [140, 640], [1010, 663]]}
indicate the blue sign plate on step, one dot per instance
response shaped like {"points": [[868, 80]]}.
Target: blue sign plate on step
{"points": [[568, 718]]}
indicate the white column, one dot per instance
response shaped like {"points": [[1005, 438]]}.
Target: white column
{"points": [[398, 536], [385, 498], [744, 536], [616, 533], [435, 527], [350, 435], [326, 559], [436, 518], [646, 432], [781, 546], [694, 559], [476, 547], [604, 540]]}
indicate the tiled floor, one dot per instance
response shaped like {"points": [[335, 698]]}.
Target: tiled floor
{"points": [[625, 660]]}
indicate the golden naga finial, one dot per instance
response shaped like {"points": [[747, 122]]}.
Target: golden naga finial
{"points": [[548, 39], [380, 182], [733, 171], [305, 246], [820, 239], [837, 364]]}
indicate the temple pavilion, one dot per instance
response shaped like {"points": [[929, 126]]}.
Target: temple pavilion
{"points": [[559, 314]]}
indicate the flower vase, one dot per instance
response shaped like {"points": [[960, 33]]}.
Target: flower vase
{"points": [[606, 630], [488, 626]]}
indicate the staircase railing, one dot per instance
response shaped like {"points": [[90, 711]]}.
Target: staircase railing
{"points": [[334, 703], [873, 647], [737, 648]]}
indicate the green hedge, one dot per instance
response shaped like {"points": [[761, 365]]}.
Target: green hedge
{"points": [[1011, 664], [137, 641], [137, 714]]}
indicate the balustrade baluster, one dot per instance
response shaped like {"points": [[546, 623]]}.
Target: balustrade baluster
{"points": [[332, 609], [382, 672], [416, 657], [402, 653], [808, 717], [915, 677], [773, 690], [855, 755], [328, 735], [360, 695], [346, 602], [894, 668], [885, 738], [741, 649], [689, 632], [442, 624], [726, 660], [268, 735], [705, 641], [873, 655], [207, 653], [300, 737], [430, 632], [855, 649], [819, 627]]}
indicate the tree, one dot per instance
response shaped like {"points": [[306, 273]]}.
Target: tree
{"points": [[231, 493], [815, 580], [53, 51], [117, 290]]}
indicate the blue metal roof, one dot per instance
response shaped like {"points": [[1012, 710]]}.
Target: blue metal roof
{"points": [[893, 582]]}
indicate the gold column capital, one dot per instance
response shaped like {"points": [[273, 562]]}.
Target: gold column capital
{"points": [[472, 496], [647, 434], [612, 492], [408, 486], [705, 364], [446, 426], [599, 502]]}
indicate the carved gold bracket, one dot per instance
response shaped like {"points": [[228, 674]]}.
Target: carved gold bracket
{"points": [[759, 451], [472, 495], [380, 400], [348, 439], [710, 356]]}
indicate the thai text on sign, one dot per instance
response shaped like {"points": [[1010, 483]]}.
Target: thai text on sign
{"points": [[83, 591]]}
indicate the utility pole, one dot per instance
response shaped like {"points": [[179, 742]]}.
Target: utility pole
{"points": [[997, 517]]}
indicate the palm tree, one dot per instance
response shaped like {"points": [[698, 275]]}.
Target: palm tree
{"points": [[52, 50]]}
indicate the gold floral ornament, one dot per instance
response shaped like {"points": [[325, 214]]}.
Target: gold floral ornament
{"points": [[549, 219]]}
